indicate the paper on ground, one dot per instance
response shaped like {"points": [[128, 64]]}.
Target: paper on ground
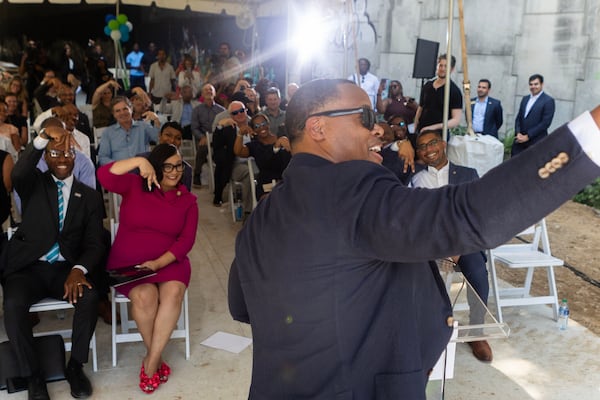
{"points": [[227, 341]]}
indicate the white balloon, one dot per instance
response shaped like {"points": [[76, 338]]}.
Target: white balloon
{"points": [[129, 25], [115, 35]]}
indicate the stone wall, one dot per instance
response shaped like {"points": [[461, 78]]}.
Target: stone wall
{"points": [[507, 41]]}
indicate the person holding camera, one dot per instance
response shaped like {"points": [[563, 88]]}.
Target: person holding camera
{"points": [[396, 103]]}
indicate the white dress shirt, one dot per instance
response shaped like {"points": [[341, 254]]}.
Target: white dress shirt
{"points": [[431, 178]]}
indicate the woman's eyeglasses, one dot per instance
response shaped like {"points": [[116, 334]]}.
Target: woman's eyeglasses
{"points": [[167, 167], [368, 116], [260, 125], [240, 111]]}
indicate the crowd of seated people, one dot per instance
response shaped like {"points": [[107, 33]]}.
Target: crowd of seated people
{"points": [[243, 119]]}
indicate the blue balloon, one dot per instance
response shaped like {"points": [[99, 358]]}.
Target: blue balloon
{"points": [[107, 30], [125, 37], [109, 17], [124, 29]]}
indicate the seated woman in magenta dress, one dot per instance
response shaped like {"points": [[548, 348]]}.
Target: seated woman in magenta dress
{"points": [[157, 229], [272, 154]]}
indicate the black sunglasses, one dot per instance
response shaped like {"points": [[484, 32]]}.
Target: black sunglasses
{"points": [[401, 123], [368, 117], [240, 111]]}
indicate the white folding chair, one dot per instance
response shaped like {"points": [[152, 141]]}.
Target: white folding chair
{"points": [[188, 151], [210, 162], [526, 256], [98, 136], [252, 188], [114, 206], [50, 304], [183, 324]]}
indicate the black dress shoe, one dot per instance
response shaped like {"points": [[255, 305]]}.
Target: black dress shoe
{"points": [[36, 388], [81, 387]]}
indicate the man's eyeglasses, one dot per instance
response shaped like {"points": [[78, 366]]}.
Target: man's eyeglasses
{"points": [[57, 153], [240, 111], [432, 143], [166, 167], [368, 116], [401, 123], [260, 125]]}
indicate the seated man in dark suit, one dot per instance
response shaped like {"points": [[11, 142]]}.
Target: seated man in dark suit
{"points": [[346, 305], [227, 165], [431, 148], [58, 245]]}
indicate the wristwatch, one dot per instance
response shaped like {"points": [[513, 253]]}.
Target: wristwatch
{"points": [[44, 135]]}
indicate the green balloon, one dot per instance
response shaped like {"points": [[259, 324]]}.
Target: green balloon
{"points": [[113, 24], [122, 18]]}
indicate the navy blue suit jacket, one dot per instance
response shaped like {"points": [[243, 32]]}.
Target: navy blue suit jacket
{"points": [[537, 122], [493, 118], [459, 174], [331, 268]]}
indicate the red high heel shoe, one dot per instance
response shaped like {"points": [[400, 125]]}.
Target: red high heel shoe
{"points": [[163, 372], [148, 384]]}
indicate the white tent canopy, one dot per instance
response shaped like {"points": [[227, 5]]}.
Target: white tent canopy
{"points": [[260, 8]]}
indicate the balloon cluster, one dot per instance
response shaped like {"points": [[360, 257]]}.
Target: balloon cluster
{"points": [[118, 27]]}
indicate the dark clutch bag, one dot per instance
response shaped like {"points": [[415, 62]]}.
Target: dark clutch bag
{"points": [[51, 352], [121, 276]]}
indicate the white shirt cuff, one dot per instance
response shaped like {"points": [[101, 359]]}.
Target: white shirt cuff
{"points": [[81, 267], [40, 143], [586, 132]]}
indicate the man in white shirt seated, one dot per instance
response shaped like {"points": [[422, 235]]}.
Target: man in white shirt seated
{"points": [[431, 148]]}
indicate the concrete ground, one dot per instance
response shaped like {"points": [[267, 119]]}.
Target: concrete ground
{"points": [[536, 362]]}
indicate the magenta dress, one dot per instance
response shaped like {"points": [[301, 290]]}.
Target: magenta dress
{"points": [[150, 223]]}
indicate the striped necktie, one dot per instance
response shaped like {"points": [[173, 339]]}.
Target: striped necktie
{"points": [[52, 255]]}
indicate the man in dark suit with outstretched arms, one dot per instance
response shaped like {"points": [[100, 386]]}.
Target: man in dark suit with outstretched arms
{"points": [[331, 268], [58, 245]]}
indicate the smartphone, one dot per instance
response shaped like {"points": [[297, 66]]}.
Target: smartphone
{"points": [[386, 88]]}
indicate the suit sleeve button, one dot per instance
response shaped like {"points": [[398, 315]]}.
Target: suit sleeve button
{"points": [[563, 157], [543, 173]]}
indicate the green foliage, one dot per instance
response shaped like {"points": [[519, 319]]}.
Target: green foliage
{"points": [[458, 131], [507, 141], [590, 195]]}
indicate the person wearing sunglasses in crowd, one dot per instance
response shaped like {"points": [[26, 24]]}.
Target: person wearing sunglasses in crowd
{"points": [[228, 166], [396, 103], [158, 224], [347, 304], [271, 154], [399, 155]]}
